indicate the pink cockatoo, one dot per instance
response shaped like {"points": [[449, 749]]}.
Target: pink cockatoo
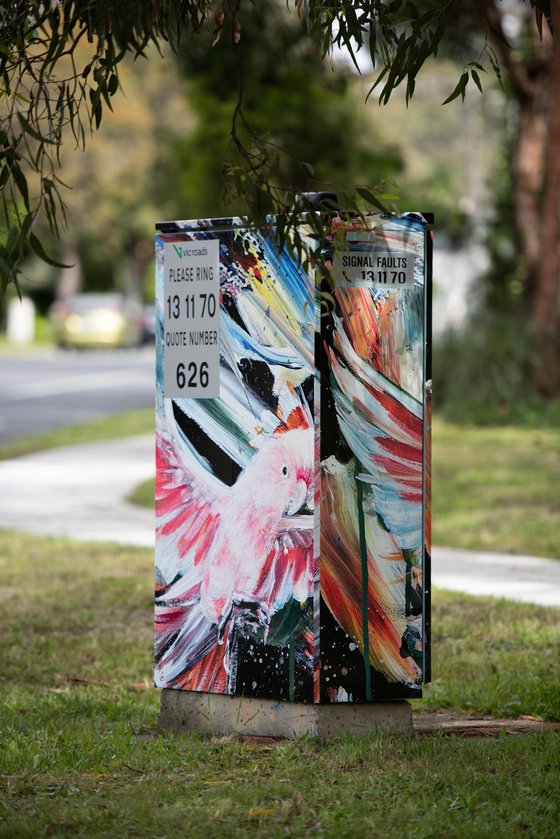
{"points": [[229, 555]]}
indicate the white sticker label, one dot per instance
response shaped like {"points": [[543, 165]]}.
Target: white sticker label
{"points": [[191, 355], [371, 268]]}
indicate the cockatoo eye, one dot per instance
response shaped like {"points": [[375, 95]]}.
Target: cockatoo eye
{"points": [[284, 470]]}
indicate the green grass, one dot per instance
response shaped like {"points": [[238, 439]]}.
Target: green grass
{"points": [[82, 758], [143, 494], [494, 657], [495, 489], [124, 424]]}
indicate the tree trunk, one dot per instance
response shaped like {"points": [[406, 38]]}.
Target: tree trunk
{"points": [[546, 308], [527, 167], [69, 281], [535, 83], [139, 254]]}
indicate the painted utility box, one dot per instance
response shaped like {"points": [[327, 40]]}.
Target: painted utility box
{"points": [[293, 463]]}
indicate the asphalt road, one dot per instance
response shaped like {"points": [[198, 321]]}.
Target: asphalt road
{"points": [[44, 390]]}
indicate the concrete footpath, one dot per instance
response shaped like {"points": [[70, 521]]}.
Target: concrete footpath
{"points": [[80, 492]]}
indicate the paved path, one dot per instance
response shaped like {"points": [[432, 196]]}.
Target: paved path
{"points": [[529, 579], [78, 491]]}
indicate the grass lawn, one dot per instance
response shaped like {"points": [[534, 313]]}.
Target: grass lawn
{"points": [[80, 756], [124, 424], [497, 489]]}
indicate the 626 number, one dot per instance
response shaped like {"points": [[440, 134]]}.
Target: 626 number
{"points": [[192, 374]]}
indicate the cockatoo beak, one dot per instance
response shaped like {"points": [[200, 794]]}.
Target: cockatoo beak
{"points": [[300, 499]]}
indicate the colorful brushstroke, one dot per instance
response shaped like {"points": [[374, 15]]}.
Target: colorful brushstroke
{"points": [[291, 510], [235, 488], [372, 482]]}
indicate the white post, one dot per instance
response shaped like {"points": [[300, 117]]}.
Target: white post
{"points": [[21, 321]]}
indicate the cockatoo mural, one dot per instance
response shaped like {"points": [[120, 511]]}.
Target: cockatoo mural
{"points": [[240, 553], [291, 511], [234, 552]]}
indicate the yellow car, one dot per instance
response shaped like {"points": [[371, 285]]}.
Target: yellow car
{"points": [[97, 320]]}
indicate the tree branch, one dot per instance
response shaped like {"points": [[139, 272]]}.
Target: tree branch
{"points": [[524, 87]]}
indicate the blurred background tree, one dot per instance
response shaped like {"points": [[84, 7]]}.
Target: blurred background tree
{"points": [[119, 181], [163, 146], [302, 105], [119, 184], [506, 359]]}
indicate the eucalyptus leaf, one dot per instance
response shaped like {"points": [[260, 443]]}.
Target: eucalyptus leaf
{"points": [[459, 89], [40, 251]]}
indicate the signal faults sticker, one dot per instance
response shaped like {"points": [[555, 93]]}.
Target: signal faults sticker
{"points": [[370, 268], [191, 355]]}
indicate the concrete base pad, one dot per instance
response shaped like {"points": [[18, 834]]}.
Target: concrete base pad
{"points": [[217, 715]]}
